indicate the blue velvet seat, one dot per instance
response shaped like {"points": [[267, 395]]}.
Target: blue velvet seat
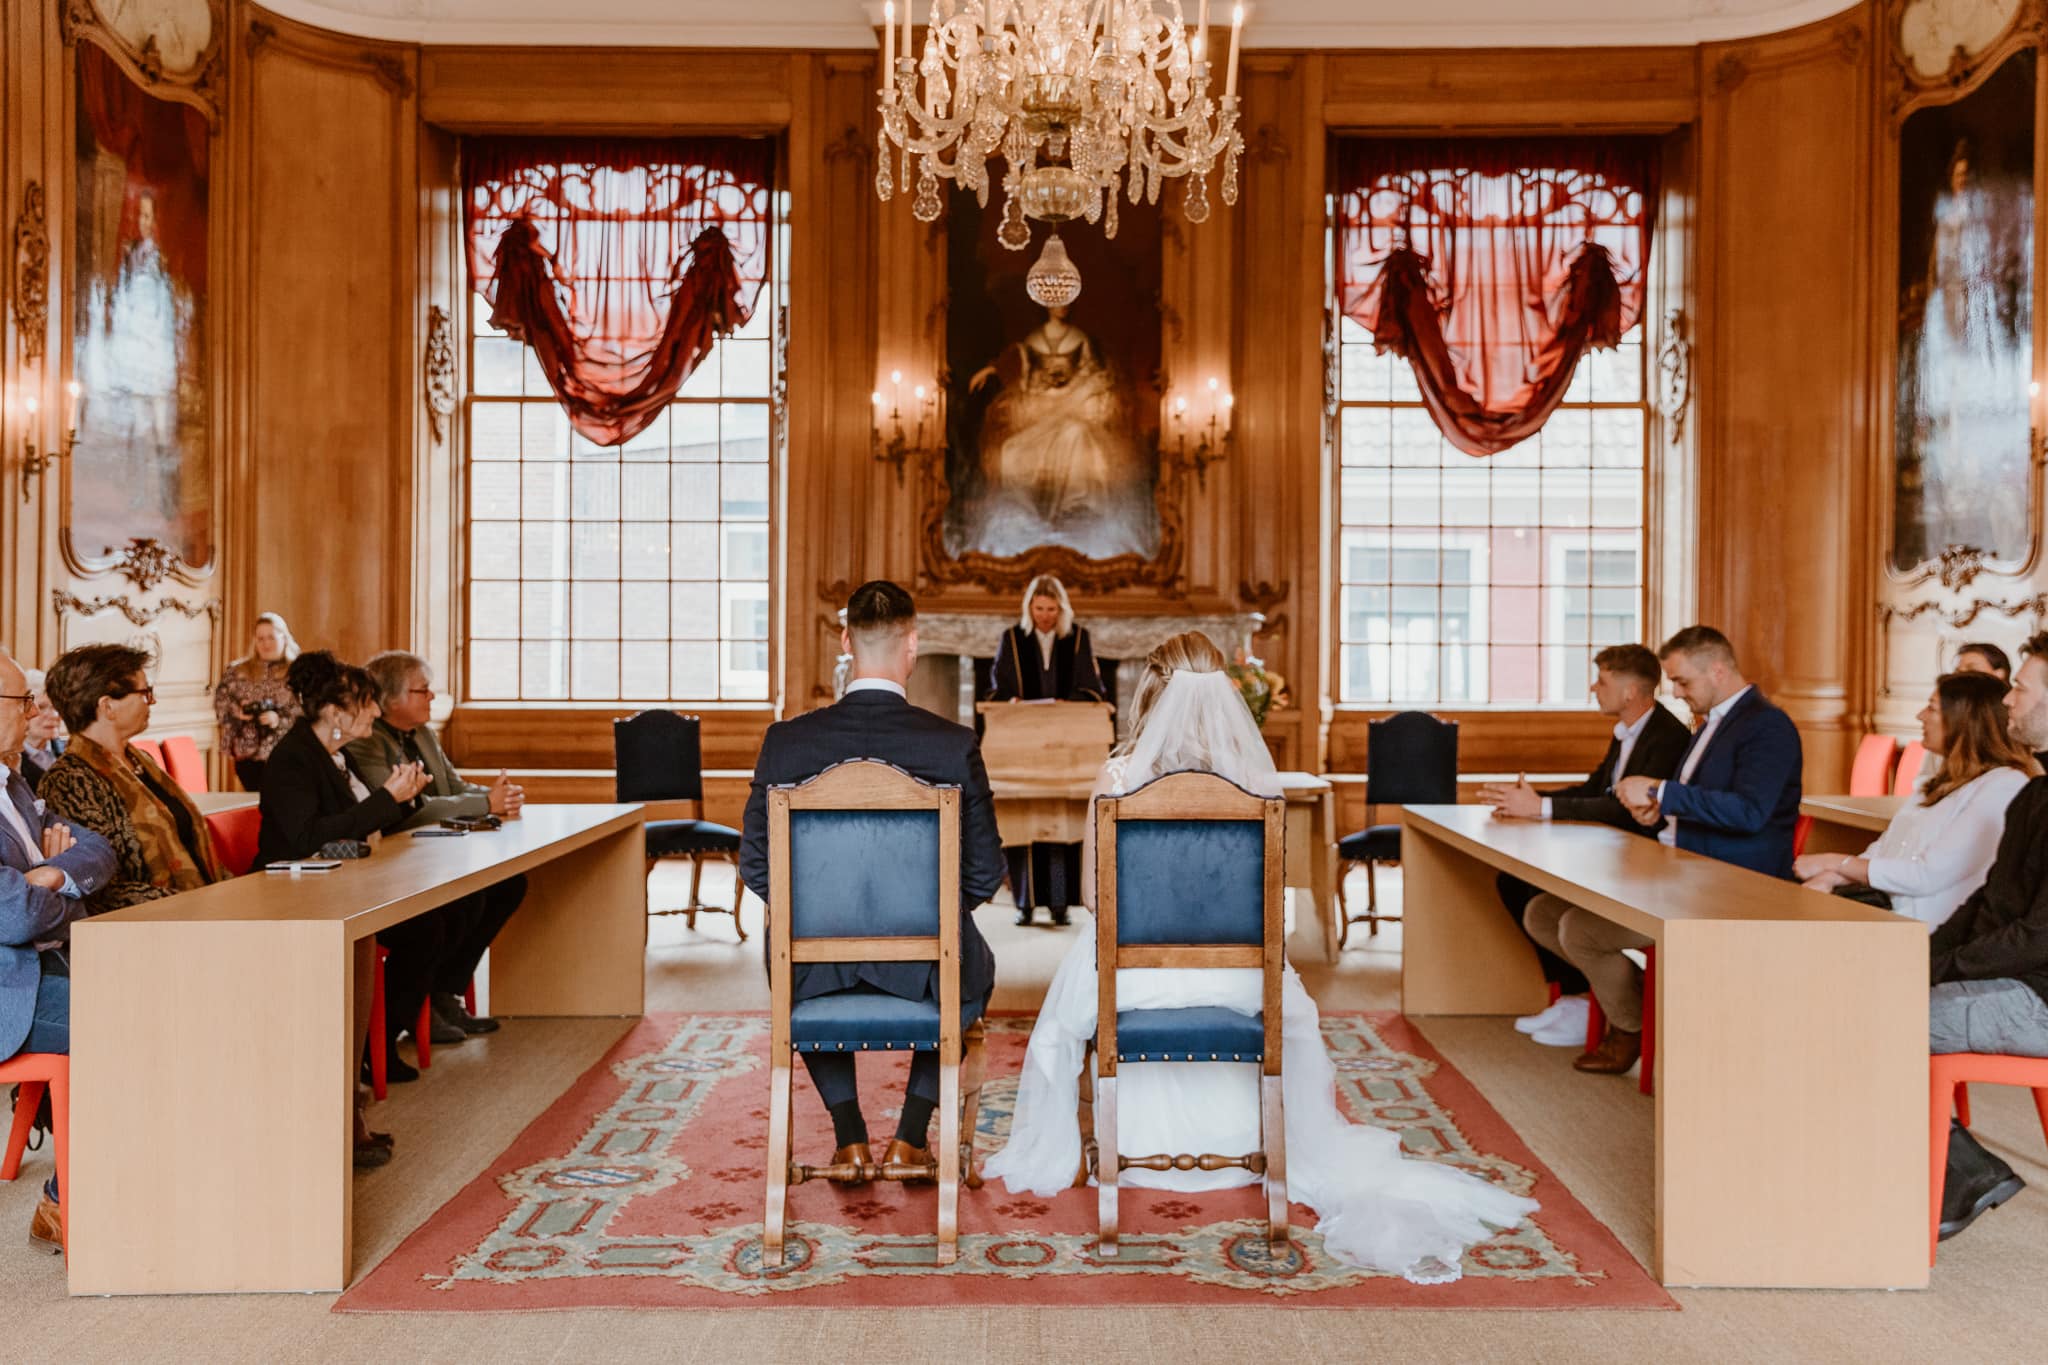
{"points": [[860, 855], [1188, 875], [659, 759], [1411, 759]]}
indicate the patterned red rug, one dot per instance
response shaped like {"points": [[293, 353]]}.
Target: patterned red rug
{"points": [[642, 1188]]}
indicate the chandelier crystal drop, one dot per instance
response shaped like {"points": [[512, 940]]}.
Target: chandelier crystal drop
{"points": [[1081, 100], [1053, 280]]}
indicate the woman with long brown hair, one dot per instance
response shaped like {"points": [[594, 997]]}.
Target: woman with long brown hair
{"points": [[1936, 850], [252, 702]]}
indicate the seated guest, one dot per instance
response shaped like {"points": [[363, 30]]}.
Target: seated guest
{"points": [[103, 783], [1045, 657], [46, 871], [1736, 798], [1988, 962], [315, 803], [1648, 742], [1937, 849], [1979, 657], [253, 703], [874, 720], [401, 735], [46, 736]]}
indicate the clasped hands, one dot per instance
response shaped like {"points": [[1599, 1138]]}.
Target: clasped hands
{"points": [[1826, 871], [1638, 796], [57, 838]]}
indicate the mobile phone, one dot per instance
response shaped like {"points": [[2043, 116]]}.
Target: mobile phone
{"points": [[305, 865], [444, 832]]}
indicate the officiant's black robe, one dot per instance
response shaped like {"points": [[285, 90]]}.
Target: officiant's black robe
{"points": [[1046, 874]]}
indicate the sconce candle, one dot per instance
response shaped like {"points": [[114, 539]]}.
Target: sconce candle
{"points": [[73, 391]]}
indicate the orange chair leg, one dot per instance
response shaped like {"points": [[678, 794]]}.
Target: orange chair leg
{"points": [[1596, 1022], [469, 996], [1646, 1074], [1555, 992], [1941, 1097], [60, 1138], [2041, 1108], [24, 1122], [422, 1030], [1963, 1102], [378, 1042]]}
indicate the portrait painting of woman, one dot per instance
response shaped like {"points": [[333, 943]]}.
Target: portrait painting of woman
{"points": [[139, 320], [1051, 407], [1965, 326]]}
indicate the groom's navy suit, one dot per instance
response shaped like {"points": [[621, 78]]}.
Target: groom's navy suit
{"points": [[875, 723]]}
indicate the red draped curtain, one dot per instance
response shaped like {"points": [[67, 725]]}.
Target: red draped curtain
{"points": [[1492, 265], [619, 261]]}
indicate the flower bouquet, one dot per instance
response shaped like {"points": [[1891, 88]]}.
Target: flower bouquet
{"points": [[1261, 688]]}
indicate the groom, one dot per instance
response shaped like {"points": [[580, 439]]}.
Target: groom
{"points": [[874, 720]]}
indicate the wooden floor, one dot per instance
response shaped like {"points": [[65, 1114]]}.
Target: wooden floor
{"points": [[1594, 1132]]}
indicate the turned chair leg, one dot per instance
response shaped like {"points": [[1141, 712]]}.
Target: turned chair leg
{"points": [[949, 1163], [737, 927], [973, 1073], [1372, 901], [773, 1221], [1084, 1119], [1107, 1163], [696, 877], [1344, 866], [1273, 1137]]}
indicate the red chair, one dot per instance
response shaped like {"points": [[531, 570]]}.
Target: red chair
{"points": [[1947, 1074], [379, 1070], [183, 763], [1910, 759], [1871, 775], [150, 747], [35, 1072], [1801, 829], [235, 834], [1645, 1073]]}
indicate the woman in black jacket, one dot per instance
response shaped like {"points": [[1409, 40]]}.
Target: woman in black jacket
{"points": [[313, 799]]}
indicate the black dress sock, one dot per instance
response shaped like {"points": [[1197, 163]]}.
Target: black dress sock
{"points": [[915, 1125], [848, 1127]]}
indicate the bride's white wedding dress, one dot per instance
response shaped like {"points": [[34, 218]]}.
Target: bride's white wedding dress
{"points": [[1376, 1207]]}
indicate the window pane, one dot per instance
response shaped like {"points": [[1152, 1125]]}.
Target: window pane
{"points": [[494, 611]]}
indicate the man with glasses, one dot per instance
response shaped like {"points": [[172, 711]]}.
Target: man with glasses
{"points": [[46, 871], [402, 735], [44, 743]]}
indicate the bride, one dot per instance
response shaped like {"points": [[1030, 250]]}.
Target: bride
{"points": [[1377, 1208]]}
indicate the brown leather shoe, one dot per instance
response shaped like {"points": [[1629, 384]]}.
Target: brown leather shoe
{"points": [[46, 1228], [846, 1156], [1617, 1052], [901, 1153]]}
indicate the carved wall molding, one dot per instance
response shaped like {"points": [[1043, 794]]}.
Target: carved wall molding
{"points": [[32, 270], [1957, 567], [1674, 372], [200, 85], [138, 615], [390, 68], [147, 562], [1961, 617], [439, 367], [1909, 88], [1263, 596]]}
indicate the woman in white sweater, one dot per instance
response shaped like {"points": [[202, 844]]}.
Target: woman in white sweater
{"points": [[1936, 850]]}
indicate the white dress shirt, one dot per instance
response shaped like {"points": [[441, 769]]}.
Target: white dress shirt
{"points": [[1045, 638], [876, 685], [1668, 836], [1628, 735], [1930, 858], [29, 841]]}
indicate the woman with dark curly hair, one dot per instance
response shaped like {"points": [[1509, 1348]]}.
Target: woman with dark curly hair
{"points": [[105, 784]]}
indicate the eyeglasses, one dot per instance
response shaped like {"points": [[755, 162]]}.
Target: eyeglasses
{"points": [[146, 692], [419, 691], [27, 700]]}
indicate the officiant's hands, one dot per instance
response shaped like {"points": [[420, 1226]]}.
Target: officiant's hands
{"points": [[1639, 796], [1515, 800]]}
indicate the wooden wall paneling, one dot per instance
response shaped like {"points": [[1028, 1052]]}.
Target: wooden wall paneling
{"points": [[1785, 371], [33, 151], [580, 737], [1670, 330], [632, 91], [440, 316], [1578, 88], [332, 333]]}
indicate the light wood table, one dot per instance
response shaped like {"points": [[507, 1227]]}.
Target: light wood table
{"points": [[213, 1044], [213, 803], [1032, 811], [1848, 824], [1791, 1105]]}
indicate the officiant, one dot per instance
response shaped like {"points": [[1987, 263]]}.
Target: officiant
{"points": [[1045, 657]]}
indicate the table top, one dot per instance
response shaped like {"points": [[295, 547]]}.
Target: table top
{"points": [[406, 875], [1858, 812], [1632, 880], [213, 803], [1298, 788]]}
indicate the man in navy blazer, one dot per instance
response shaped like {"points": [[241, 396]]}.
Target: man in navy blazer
{"points": [[875, 720], [1735, 798], [46, 871]]}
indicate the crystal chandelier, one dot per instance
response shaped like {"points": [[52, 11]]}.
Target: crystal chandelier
{"points": [[1081, 99]]}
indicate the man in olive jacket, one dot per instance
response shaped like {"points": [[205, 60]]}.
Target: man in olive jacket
{"points": [[402, 735]]}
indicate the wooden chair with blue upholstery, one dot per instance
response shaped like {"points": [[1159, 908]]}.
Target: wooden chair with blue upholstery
{"points": [[1411, 759], [659, 758], [864, 866], [1188, 873]]}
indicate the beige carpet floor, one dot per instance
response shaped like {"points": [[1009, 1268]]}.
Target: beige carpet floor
{"points": [[1594, 1132]]}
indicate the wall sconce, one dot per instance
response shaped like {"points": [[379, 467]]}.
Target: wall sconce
{"points": [[36, 462], [1198, 436], [901, 434]]}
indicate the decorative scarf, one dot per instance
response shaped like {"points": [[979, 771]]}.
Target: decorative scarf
{"points": [[144, 791]]}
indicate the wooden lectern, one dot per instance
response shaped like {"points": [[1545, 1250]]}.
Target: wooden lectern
{"points": [[1042, 759]]}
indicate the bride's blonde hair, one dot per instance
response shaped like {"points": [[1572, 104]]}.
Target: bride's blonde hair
{"points": [[1190, 651]]}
